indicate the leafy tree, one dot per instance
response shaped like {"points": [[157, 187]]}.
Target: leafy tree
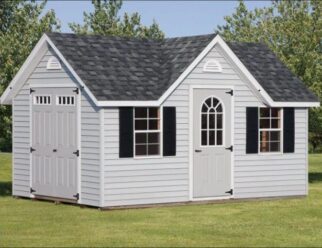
{"points": [[21, 26], [105, 20], [293, 30]]}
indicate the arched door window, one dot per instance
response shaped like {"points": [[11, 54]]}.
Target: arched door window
{"points": [[212, 122]]}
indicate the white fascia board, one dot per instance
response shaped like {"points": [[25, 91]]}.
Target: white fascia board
{"points": [[12, 88], [128, 104], [296, 104], [70, 68], [8, 93]]}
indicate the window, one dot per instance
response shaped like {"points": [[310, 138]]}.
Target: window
{"points": [[42, 100], [147, 131], [270, 129], [65, 100], [212, 122]]}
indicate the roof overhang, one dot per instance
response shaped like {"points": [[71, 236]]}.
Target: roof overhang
{"points": [[18, 80]]}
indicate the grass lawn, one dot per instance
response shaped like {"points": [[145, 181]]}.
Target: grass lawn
{"points": [[286, 222]]}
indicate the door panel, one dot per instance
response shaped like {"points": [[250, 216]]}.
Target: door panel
{"points": [[54, 163], [211, 137]]}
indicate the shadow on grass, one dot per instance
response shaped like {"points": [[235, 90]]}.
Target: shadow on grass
{"points": [[315, 177], [5, 189]]}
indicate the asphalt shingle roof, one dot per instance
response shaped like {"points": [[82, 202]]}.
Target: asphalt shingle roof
{"points": [[116, 68], [277, 80]]}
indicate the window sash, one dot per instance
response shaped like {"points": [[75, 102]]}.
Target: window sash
{"points": [[279, 129], [147, 131]]}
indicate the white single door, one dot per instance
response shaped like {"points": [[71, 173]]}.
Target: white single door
{"points": [[54, 142], [212, 142]]}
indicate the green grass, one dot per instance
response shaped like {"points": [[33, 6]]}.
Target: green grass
{"points": [[285, 222]]}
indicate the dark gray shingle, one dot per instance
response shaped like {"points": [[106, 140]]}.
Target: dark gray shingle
{"points": [[277, 80], [116, 68]]}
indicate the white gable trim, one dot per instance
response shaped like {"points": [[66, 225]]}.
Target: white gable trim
{"points": [[17, 83], [13, 87]]}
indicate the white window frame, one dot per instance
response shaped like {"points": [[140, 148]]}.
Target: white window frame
{"points": [[42, 104], [223, 124], [160, 131], [72, 96], [281, 130]]}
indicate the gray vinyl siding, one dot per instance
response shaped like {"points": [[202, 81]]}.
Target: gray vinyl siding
{"points": [[21, 133], [155, 180], [21, 143], [129, 181]]}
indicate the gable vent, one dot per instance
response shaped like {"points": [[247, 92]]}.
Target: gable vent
{"points": [[53, 64], [212, 66]]}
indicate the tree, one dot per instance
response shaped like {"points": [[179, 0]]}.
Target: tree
{"points": [[105, 20], [21, 26], [293, 30]]}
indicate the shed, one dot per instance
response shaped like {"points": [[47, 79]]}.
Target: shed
{"points": [[111, 121]]}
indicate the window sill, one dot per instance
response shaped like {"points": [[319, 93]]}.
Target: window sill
{"points": [[270, 153]]}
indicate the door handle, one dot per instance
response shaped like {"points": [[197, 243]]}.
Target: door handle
{"points": [[198, 151], [55, 150]]}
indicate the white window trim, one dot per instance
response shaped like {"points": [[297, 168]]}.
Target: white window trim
{"points": [[57, 101], [281, 129], [223, 123], [160, 131], [38, 104]]}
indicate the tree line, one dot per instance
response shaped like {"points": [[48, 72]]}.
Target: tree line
{"points": [[292, 29]]}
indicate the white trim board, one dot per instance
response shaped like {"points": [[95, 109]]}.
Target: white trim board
{"points": [[11, 90]]}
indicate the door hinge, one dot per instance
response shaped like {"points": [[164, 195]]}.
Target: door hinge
{"points": [[76, 153], [231, 92], [76, 196], [32, 190], [32, 149], [76, 91], [231, 148], [31, 91], [230, 192]]}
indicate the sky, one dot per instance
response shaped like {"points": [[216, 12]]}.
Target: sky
{"points": [[176, 18]]}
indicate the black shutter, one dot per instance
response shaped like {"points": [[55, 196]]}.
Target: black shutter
{"points": [[126, 132], [169, 131], [252, 130], [289, 130]]}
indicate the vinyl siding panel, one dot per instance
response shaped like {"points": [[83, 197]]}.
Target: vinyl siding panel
{"points": [[131, 181], [21, 143], [90, 162], [90, 153], [157, 180]]}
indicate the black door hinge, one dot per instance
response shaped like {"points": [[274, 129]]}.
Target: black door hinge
{"points": [[32, 190], [76, 196], [31, 91], [32, 149], [231, 92], [230, 192], [76, 153], [76, 91], [231, 148]]}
